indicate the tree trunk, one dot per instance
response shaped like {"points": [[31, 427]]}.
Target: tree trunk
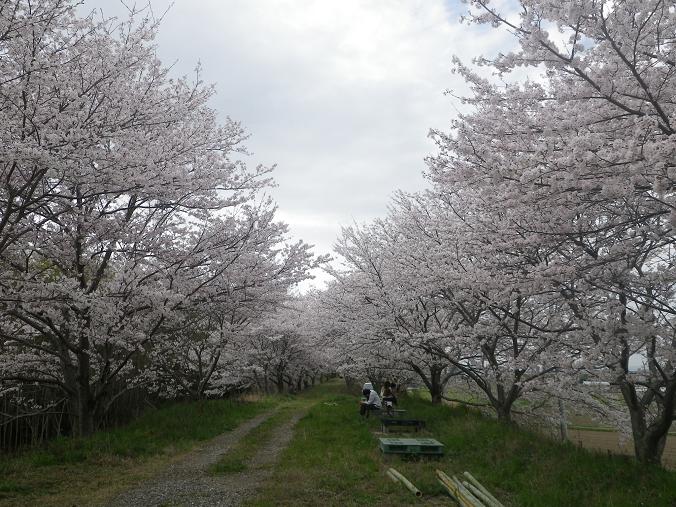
{"points": [[83, 411], [563, 423], [504, 413], [82, 400], [204, 382], [86, 421], [433, 383], [650, 447], [649, 440], [266, 382], [435, 386], [503, 400]]}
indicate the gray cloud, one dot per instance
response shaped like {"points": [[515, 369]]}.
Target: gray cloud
{"points": [[340, 95]]}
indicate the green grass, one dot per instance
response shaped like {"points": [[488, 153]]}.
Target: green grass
{"points": [[67, 465], [235, 460], [334, 460]]}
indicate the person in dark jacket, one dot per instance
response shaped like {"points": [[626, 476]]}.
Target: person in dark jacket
{"points": [[388, 397]]}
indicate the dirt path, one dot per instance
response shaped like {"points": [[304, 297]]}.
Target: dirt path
{"points": [[186, 483]]}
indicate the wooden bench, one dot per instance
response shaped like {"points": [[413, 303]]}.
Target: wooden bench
{"points": [[388, 423], [391, 412], [384, 412]]}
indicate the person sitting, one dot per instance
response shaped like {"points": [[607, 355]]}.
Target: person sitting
{"points": [[389, 399], [372, 402]]}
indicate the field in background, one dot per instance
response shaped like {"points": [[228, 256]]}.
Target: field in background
{"points": [[609, 441], [583, 431]]}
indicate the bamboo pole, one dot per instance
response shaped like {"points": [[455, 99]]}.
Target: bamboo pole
{"points": [[392, 476], [473, 500], [457, 491], [454, 494], [479, 494], [406, 482], [478, 485]]}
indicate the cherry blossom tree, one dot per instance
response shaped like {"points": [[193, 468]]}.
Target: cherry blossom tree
{"points": [[283, 350], [448, 298], [579, 163], [248, 281], [123, 208], [357, 339]]}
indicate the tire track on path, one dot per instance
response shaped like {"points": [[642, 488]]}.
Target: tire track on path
{"points": [[244, 485], [187, 482]]}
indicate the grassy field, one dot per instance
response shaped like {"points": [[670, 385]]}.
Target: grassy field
{"points": [[78, 471], [334, 460]]}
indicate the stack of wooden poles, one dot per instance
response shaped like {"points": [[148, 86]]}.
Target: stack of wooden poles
{"points": [[469, 492]]}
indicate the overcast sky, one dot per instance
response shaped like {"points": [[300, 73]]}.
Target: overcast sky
{"points": [[339, 94]]}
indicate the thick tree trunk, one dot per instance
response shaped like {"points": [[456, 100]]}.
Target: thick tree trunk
{"points": [[650, 447], [436, 392], [649, 439], [503, 402], [86, 421], [504, 413], [433, 382], [435, 387], [82, 402], [83, 410]]}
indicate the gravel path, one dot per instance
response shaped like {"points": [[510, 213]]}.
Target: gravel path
{"points": [[186, 483]]}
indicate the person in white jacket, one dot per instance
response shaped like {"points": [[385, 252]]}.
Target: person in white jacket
{"points": [[372, 402]]}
